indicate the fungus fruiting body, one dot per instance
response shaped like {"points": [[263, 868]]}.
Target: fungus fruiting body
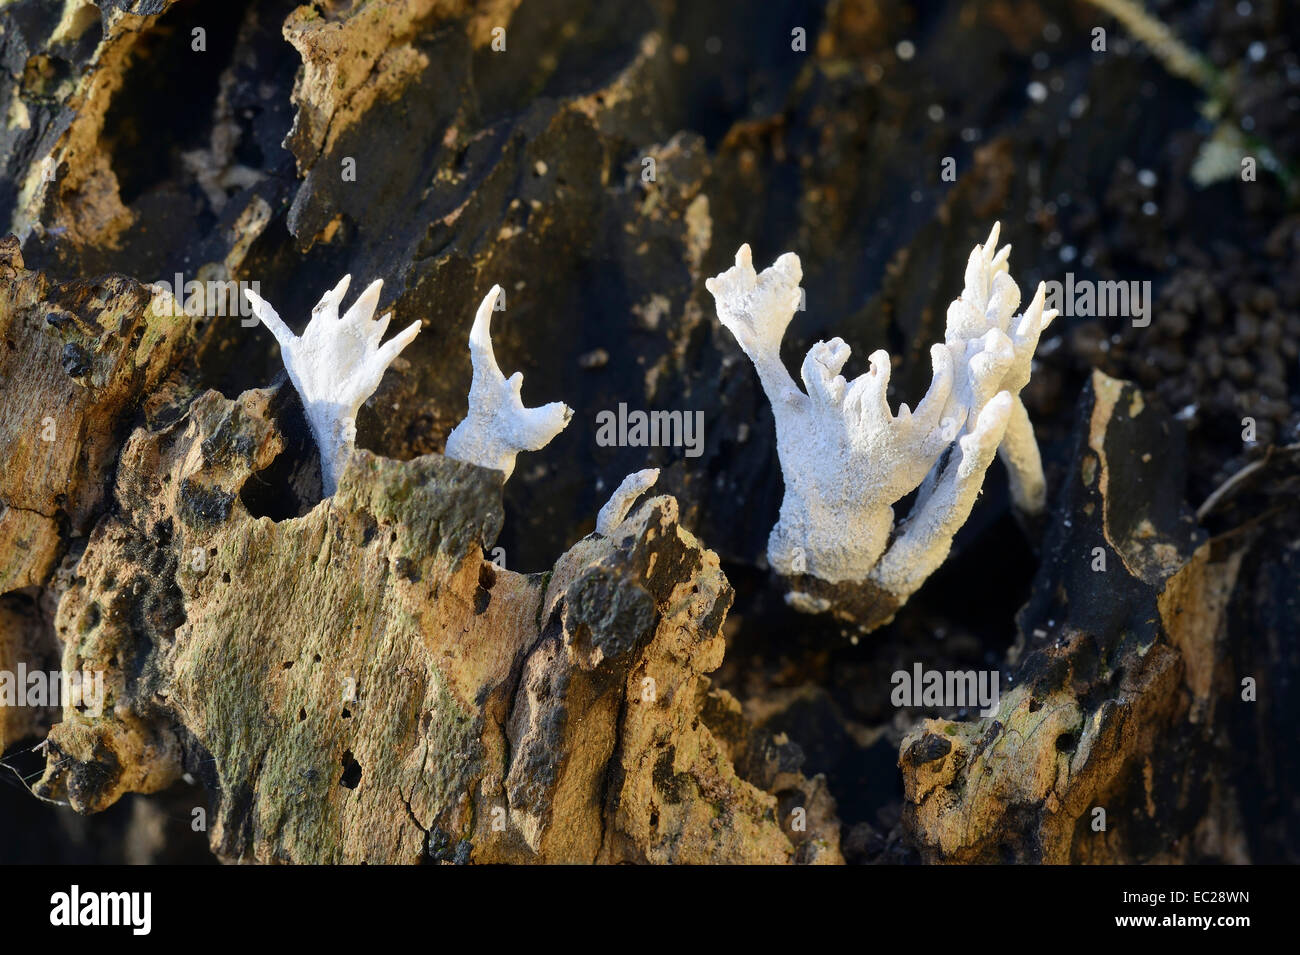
{"points": [[498, 426], [846, 458], [620, 502], [335, 365]]}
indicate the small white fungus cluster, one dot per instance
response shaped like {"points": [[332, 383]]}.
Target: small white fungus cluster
{"points": [[847, 458], [337, 363]]}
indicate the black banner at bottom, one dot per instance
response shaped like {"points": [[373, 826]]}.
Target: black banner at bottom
{"points": [[283, 905]]}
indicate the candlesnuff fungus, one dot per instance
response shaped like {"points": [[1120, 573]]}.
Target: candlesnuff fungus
{"points": [[620, 502], [335, 365], [498, 426], [846, 458], [989, 302]]}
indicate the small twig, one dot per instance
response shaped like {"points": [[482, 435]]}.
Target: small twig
{"points": [[1183, 61], [1227, 486], [1178, 58]]}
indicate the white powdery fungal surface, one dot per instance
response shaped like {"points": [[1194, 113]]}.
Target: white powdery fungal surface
{"points": [[847, 458], [498, 426], [335, 365], [983, 319], [620, 502]]}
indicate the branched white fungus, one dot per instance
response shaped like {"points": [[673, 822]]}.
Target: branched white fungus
{"points": [[498, 426], [335, 365], [988, 303], [846, 458]]}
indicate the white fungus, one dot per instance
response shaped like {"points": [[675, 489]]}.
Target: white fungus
{"points": [[846, 458], [335, 365], [620, 502], [498, 426]]}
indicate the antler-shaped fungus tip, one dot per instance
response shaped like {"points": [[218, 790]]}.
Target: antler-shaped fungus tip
{"points": [[620, 502], [335, 365], [498, 426]]}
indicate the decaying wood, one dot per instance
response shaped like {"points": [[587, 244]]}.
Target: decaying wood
{"points": [[360, 684], [1123, 666]]}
